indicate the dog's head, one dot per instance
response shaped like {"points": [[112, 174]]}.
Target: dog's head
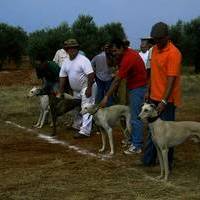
{"points": [[33, 92], [90, 108], [148, 111]]}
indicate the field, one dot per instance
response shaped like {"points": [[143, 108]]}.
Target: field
{"points": [[34, 167]]}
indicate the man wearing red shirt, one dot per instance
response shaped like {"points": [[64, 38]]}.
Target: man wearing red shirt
{"points": [[132, 69]]}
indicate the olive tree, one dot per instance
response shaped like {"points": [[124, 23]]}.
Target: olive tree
{"points": [[13, 43]]}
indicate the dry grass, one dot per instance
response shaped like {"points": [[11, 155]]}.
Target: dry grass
{"points": [[34, 169]]}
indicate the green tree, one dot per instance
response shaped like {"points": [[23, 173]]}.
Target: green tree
{"points": [[85, 31], [44, 43], [13, 43], [112, 30], [192, 42], [177, 34], [186, 36]]}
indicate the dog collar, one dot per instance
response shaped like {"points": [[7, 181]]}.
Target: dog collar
{"points": [[94, 112], [152, 119]]}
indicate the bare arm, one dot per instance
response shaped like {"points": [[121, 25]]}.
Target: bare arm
{"points": [[113, 88], [63, 81], [167, 93], [90, 77], [147, 95], [170, 86]]}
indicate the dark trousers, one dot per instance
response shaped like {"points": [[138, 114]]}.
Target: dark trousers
{"points": [[150, 152], [102, 88]]}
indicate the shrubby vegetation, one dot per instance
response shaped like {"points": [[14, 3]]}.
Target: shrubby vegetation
{"points": [[47, 41], [186, 36], [15, 42]]}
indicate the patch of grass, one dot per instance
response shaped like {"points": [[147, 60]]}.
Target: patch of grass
{"points": [[34, 169], [14, 102]]}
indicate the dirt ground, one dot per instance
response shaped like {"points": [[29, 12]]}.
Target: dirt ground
{"points": [[34, 168]]}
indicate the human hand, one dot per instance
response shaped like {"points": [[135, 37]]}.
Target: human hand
{"points": [[60, 95], [146, 97], [88, 92], [103, 103], [161, 107]]}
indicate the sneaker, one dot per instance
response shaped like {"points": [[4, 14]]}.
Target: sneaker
{"points": [[133, 150], [78, 135]]}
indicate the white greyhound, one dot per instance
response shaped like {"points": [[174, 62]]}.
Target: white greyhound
{"points": [[44, 106], [107, 118], [166, 134]]}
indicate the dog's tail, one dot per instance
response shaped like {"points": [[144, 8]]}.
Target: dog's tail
{"points": [[128, 122]]}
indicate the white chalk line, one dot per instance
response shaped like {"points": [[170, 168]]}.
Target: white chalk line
{"points": [[53, 140], [82, 151]]}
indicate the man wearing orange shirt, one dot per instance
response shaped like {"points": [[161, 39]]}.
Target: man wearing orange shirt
{"points": [[164, 89]]}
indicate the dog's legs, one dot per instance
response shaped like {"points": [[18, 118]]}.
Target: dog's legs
{"points": [[52, 104], [103, 136], [39, 119], [45, 113], [51, 119], [124, 127], [54, 117], [110, 137], [125, 141], [165, 160], [160, 157], [127, 130]]}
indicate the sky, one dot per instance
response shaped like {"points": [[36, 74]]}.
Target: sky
{"points": [[136, 17]]}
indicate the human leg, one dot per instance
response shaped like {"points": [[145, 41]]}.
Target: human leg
{"points": [[136, 98], [86, 126], [107, 85], [100, 90], [150, 152], [77, 116]]}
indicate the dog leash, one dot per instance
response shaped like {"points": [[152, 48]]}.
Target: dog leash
{"points": [[96, 110]]}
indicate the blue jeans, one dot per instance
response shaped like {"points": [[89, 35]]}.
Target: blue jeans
{"points": [[136, 99], [102, 88], [150, 152]]}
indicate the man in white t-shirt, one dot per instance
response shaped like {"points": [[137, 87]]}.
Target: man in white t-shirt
{"points": [[79, 72], [61, 55], [145, 52]]}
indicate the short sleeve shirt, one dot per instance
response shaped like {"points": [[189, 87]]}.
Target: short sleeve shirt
{"points": [[77, 70], [165, 63], [144, 57], [132, 69], [60, 56], [101, 68]]}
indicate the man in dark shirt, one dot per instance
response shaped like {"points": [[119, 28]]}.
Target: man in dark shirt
{"points": [[48, 72]]}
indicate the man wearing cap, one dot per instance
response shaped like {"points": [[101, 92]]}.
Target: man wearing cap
{"points": [[164, 87], [61, 55], [79, 72], [103, 73]]}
